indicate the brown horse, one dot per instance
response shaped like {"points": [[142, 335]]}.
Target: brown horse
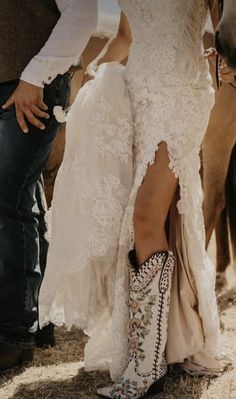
{"points": [[219, 147], [226, 32]]}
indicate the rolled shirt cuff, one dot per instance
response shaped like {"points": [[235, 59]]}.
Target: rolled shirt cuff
{"points": [[37, 73]]}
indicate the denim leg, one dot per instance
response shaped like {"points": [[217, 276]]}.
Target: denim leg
{"points": [[22, 159]]}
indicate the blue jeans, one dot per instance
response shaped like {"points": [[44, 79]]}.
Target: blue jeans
{"points": [[23, 246]]}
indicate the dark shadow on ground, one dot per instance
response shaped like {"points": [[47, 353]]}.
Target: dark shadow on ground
{"points": [[85, 384], [69, 348]]}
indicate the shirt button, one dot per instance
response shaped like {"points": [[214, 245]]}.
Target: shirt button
{"points": [[49, 78]]}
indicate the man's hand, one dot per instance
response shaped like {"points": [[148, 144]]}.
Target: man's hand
{"points": [[227, 74], [28, 101]]}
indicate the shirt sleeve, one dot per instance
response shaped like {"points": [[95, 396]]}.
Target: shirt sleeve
{"points": [[77, 22]]}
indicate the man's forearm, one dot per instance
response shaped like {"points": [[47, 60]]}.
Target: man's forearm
{"points": [[77, 22]]}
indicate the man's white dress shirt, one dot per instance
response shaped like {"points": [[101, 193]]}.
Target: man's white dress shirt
{"points": [[77, 22]]}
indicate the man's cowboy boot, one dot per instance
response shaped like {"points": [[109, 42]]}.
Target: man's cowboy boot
{"points": [[150, 286], [45, 338], [11, 357]]}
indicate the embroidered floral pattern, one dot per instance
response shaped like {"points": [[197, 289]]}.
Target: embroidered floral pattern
{"points": [[140, 322], [148, 313]]}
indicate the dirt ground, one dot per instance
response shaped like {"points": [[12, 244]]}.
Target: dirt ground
{"points": [[58, 373]]}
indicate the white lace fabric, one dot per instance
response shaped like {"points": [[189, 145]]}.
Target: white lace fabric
{"points": [[113, 131]]}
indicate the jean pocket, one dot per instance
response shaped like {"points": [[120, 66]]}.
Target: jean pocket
{"points": [[7, 114]]}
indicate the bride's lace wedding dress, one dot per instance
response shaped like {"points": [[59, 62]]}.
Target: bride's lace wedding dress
{"points": [[113, 131]]}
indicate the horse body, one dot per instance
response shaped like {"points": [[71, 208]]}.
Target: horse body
{"points": [[219, 170], [220, 189], [226, 32]]}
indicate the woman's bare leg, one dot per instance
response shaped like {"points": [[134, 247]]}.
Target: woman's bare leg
{"points": [[152, 206]]}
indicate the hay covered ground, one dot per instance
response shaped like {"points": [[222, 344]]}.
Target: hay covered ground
{"points": [[58, 373]]}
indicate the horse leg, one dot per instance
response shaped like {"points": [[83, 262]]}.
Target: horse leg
{"points": [[216, 152], [214, 175], [231, 200], [222, 242]]}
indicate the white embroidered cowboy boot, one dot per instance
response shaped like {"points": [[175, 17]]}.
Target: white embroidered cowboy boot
{"points": [[150, 286]]}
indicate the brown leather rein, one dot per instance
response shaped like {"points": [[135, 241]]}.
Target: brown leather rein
{"points": [[220, 6]]}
